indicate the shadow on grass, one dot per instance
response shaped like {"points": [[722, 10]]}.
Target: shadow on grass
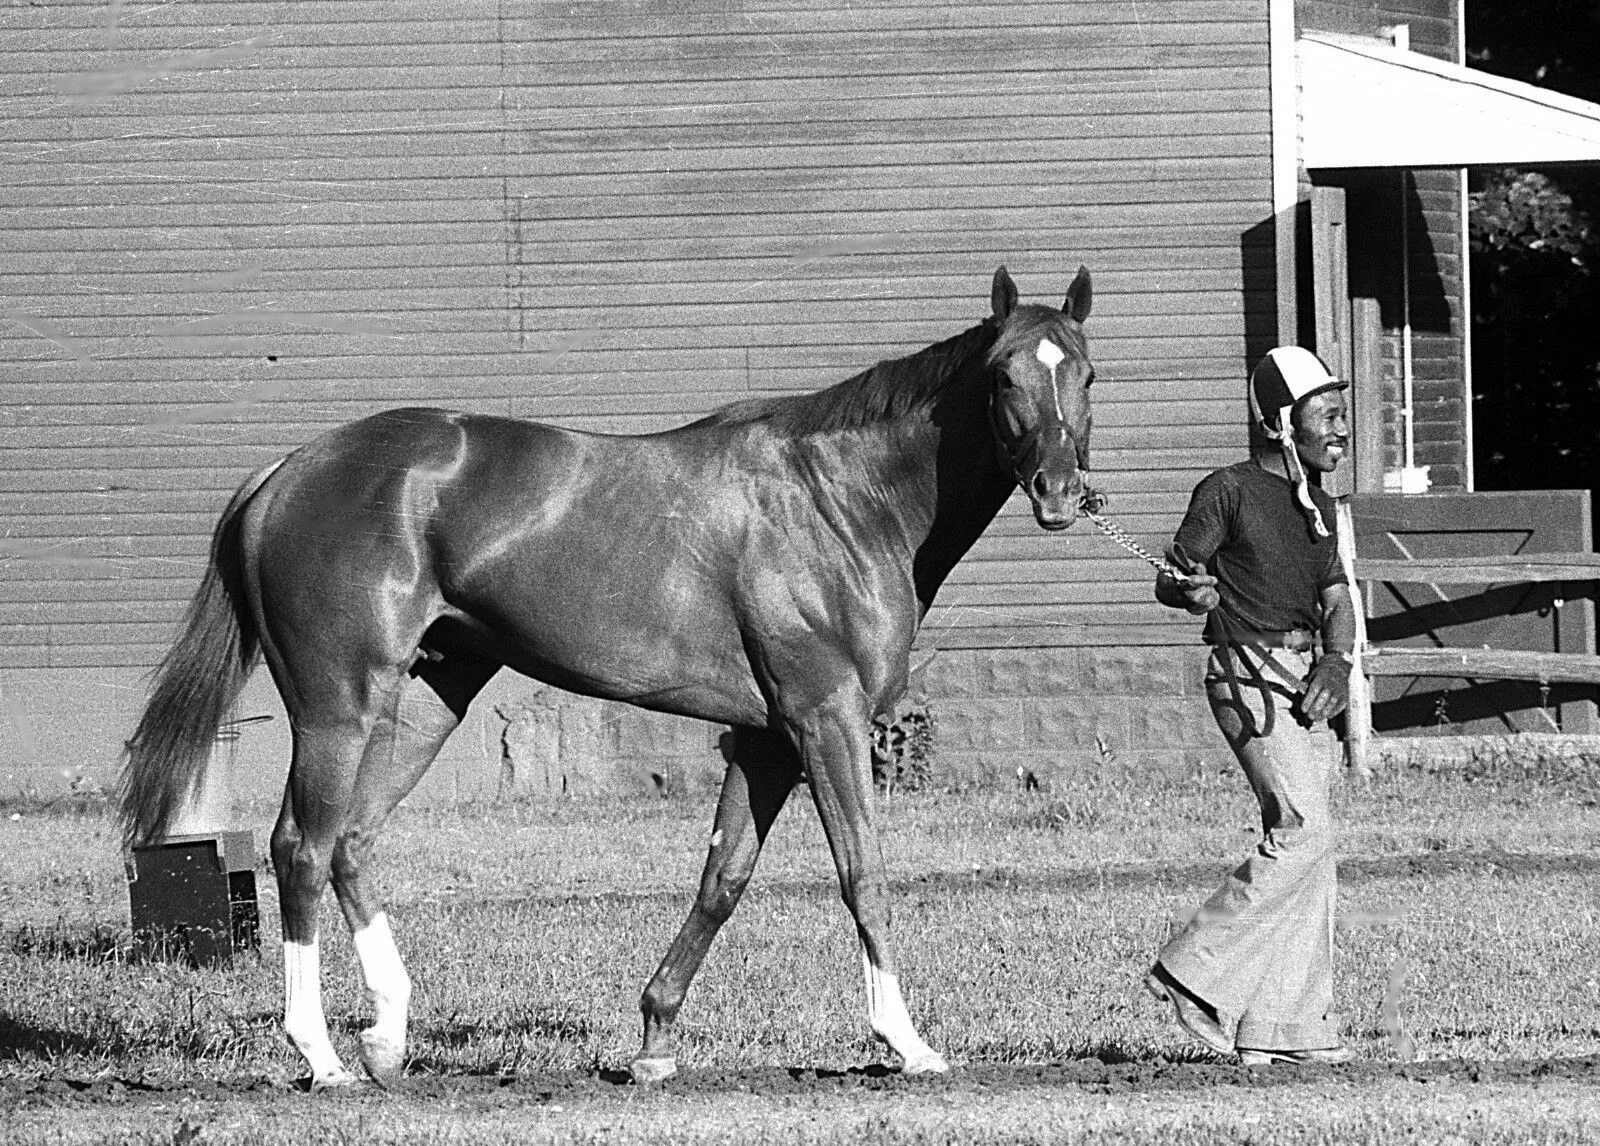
{"points": [[539, 1025], [104, 944], [421, 1070], [499, 1046], [822, 1073], [101, 944], [22, 1040]]}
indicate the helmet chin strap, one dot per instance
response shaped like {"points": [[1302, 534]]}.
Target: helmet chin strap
{"points": [[1297, 471]]}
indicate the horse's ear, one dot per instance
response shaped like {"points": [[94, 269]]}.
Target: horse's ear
{"points": [[1003, 295], [1080, 295]]}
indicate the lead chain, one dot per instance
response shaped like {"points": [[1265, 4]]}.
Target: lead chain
{"points": [[1121, 537]]}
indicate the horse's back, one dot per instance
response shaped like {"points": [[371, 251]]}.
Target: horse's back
{"points": [[641, 568], [601, 563]]}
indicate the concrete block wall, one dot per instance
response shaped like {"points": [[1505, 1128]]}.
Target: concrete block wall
{"points": [[1045, 711], [998, 711], [554, 744], [1001, 714]]}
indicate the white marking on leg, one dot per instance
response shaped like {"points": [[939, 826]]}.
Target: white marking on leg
{"points": [[1052, 356], [303, 1020], [386, 978], [886, 1011]]}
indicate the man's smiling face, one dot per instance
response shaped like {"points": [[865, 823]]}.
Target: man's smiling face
{"points": [[1321, 430]]}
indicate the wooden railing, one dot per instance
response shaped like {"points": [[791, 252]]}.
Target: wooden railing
{"points": [[1474, 663]]}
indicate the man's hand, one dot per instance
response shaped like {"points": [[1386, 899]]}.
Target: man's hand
{"points": [[1328, 687], [1196, 592]]}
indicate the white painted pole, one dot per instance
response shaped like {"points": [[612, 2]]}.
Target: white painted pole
{"points": [[1358, 718], [209, 809]]}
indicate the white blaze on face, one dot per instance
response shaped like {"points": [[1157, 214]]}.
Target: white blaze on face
{"points": [[1052, 356]]}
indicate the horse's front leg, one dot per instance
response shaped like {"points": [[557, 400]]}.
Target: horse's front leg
{"points": [[761, 773], [834, 745]]}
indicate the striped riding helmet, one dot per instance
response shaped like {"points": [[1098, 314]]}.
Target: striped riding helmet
{"points": [[1286, 377], [1283, 379]]}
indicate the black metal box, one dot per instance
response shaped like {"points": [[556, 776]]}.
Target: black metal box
{"points": [[194, 898]]}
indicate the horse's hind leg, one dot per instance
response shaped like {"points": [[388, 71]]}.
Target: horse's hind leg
{"points": [[424, 711], [762, 771], [321, 776], [353, 761]]}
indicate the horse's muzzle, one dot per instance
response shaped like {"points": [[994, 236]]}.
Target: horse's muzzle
{"points": [[1056, 498]]}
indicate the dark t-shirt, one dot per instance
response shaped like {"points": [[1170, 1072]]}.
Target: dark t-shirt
{"points": [[1246, 525]]}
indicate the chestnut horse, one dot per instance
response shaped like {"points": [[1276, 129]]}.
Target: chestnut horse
{"points": [[765, 567]]}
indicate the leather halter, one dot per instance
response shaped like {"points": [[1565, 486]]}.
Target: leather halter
{"points": [[1024, 463]]}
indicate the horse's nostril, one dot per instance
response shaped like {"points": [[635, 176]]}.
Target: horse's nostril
{"points": [[1047, 485]]}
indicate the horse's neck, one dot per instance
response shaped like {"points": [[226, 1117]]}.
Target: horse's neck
{"points": [[945, 482], [970, 496], [927, 479]]}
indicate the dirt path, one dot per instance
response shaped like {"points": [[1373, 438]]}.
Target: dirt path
{"points": [[1087, 1076]]}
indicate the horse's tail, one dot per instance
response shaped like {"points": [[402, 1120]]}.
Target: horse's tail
{"points": [[197, 683]]}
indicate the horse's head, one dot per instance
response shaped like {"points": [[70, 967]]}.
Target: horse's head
{"points": [[1039, 402]]}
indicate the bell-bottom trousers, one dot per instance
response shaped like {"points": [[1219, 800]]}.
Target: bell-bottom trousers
{"points": [[1260, 951]]}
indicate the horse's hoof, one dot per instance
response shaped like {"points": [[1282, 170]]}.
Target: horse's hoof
{"points": [[925, 1062], [333, 1080], [650, 1070], [382, 1060]]}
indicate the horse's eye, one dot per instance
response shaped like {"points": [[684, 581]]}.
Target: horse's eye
{"points": [[1088, 382]]}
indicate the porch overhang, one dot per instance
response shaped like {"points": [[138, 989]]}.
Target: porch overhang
{"points": [[1366, 103]]}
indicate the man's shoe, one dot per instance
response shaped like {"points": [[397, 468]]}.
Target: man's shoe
{"points": [[1319, 1056], [1197, 1019]]}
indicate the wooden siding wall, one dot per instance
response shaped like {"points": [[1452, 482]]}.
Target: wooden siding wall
{"points": [[231, 225], [1432, 206]]}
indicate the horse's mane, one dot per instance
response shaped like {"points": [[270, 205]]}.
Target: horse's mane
{"points": [[889, 391]]}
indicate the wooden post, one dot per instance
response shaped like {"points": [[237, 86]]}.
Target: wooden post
{"points": [[1330, 295], [1366, 395], [1358, 718]]}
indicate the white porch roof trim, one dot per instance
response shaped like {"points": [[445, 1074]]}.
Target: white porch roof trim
{"points": [[1366, 103]]}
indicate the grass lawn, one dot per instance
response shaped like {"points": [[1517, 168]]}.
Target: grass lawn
{"points": [[1024, 922]]}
